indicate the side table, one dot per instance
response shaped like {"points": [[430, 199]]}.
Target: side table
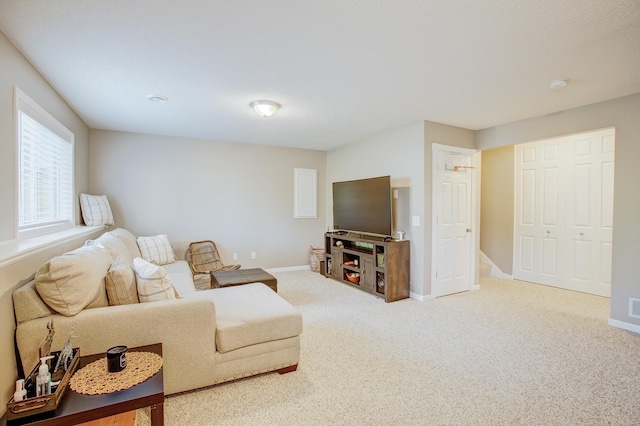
{"points": [[79, 408]]}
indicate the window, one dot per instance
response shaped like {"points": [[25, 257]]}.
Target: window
{"points": [[44, 150]]}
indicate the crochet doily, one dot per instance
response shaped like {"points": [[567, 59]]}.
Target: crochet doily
{"points": [[94, 379]]}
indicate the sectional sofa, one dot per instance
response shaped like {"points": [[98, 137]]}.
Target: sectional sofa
{"points": [[208, 337]]}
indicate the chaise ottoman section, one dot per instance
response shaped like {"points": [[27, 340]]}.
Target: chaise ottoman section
{"points": [[262, 317]]}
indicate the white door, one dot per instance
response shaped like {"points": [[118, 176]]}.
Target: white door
{"points": [[453, 257], [539, 212], [590, 203], [564, 212]]}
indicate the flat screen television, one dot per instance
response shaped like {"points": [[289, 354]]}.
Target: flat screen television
{"points": [[363, 205]]}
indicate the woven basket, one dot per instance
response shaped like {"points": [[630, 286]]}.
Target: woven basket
{"points": [[315, 256]]}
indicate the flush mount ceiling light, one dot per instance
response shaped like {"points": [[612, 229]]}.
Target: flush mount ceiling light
{"points": [[265, 108], [560, 83], [157, 98]]}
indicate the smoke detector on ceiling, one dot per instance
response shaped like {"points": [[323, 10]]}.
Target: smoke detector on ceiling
{"points": [[157, 98], [560, 83]]}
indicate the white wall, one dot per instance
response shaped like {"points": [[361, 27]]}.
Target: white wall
{"points": [[398, 153], [239, 195], [496, 233], [623, 114], [17, 71]]}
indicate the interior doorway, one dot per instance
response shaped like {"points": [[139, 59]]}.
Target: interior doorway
{"points": [[454, 219]]}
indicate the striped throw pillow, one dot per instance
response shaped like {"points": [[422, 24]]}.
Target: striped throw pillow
{"points": [[121, 283], [156, 249], [96, 210]]}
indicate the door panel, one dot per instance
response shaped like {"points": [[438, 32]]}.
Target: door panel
{"points": [[549, 266], [528, 214], [582, 264], [550, 193]]}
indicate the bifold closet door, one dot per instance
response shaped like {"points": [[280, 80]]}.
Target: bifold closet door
{"points": [[538, 212], [564, 212], [590, 204]]}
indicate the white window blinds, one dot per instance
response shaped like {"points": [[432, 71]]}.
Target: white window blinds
{"points": [[45, 170]]}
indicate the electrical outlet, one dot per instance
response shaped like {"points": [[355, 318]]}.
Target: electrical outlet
{"points": [[235, 256], [253, 254]]}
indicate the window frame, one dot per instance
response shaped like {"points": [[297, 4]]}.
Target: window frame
{"points": [[23, 103]]}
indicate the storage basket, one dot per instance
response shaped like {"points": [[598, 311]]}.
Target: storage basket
{"points": [[315, 256]]}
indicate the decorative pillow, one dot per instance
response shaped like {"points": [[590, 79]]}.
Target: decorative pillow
{"points": [[121, 283], [115, 246], [156, 248], [96, 210], [152, 282], [75, 280], [129, 241]]}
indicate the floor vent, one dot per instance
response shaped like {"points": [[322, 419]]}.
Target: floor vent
{"points": [[634, 307]]}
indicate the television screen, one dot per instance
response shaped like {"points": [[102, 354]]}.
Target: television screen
{"points": [[363, 205]]}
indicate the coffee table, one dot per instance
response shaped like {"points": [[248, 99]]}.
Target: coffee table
{"points": [[78, 408], [243, 276]]}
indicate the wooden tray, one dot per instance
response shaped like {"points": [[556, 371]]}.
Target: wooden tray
{"points": [[44, 403]]}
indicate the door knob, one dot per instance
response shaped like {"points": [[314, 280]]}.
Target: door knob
{"points": [[582, 233], [468, 229], [548, 232]]}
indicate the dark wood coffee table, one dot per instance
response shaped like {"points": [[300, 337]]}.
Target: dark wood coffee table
{"points": [[243, 276], [78, 408]]}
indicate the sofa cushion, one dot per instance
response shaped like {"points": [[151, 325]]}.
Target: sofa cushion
{"points": [[75, 280], [156, 249], [28, 305], [121, 283], [128, 239], [180, 275], [115, 245], [250, 314], [152, 282], [96, 210]]}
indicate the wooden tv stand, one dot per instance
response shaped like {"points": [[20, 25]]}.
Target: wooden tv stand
{"points": [[382, 263]]}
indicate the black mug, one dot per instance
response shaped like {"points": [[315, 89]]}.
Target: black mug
{"points": [[116, 359]]}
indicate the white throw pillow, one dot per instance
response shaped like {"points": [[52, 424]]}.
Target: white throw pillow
{"points": [[152, 282], [156, 249], [96, 210]]}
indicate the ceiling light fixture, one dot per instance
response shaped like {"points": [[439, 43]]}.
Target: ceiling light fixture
{"points": [[560, 83], [157, 98], [265, 108]]}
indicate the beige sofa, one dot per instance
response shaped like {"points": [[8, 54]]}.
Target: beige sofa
{"points": [[208, 337]]}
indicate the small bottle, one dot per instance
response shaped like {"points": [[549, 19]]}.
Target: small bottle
{"points": [[43, 381], [20, 393]]}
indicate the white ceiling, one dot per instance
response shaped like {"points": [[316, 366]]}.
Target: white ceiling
{"points": [[342, 69]]}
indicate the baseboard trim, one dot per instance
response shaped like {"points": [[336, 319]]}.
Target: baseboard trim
{"points": [[495, 271], [289, 268], [625, 325], [420, 297]]}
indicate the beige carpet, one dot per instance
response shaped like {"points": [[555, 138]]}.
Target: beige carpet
{"points": [[509, 353]]}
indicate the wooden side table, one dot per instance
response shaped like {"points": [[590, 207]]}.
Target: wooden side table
{"points": [[78, 408]]}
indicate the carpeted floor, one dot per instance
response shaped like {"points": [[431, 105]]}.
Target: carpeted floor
{"points": [[509, 353]]}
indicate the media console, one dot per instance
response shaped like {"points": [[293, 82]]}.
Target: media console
{"points": [[377, 265]]}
